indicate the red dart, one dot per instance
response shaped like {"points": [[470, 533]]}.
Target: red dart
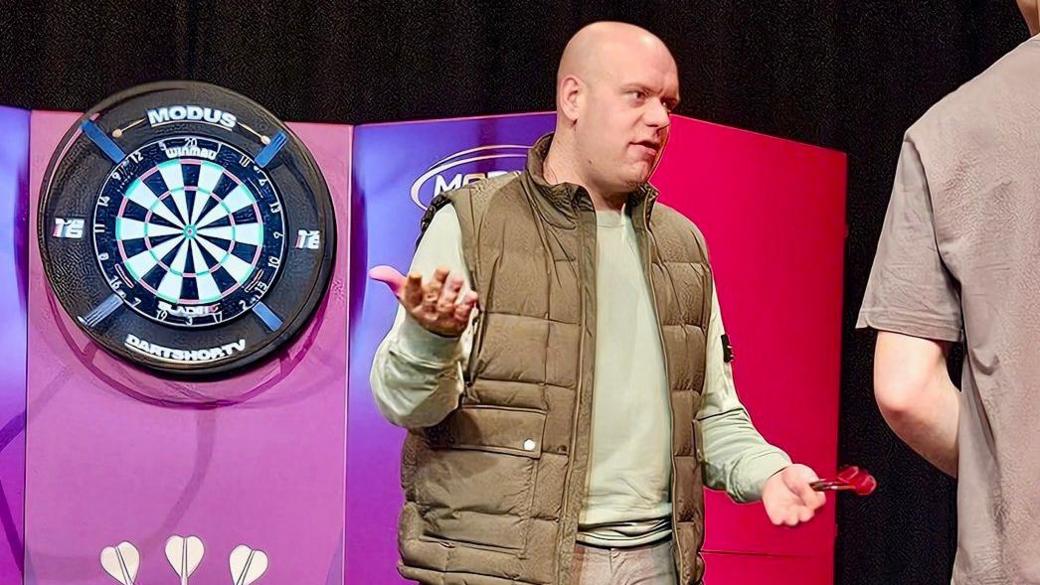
{"points": [[864, 484], [850, 478], [848, 474]]}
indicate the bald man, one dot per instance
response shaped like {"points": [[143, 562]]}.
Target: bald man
{"points": [[559, 357]]}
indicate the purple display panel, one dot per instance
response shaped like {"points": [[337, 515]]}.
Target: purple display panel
{"points": [[398, 168], [267, 472], [14, 190]]}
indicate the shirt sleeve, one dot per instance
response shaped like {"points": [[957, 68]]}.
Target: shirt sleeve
{"points": [[416, 375], [737, 458], [910, 290]]}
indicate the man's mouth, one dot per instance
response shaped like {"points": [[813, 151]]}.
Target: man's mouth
{"points": [[650, 145]]}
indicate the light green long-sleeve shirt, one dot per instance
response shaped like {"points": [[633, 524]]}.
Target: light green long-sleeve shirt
{"points": [[417, 380]]}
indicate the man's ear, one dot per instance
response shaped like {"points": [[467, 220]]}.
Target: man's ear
{"points": [[572, 97]]}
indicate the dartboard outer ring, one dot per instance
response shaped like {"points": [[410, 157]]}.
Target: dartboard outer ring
{"points": [[194, 335]]}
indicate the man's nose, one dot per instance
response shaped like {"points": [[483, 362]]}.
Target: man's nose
{"points": [[657, 115]]}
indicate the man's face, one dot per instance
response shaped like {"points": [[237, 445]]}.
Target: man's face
{"points": [[1031, 12], [624, 119]]}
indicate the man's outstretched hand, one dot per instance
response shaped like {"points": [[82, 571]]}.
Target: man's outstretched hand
{"points": [[435, 304], [788, 497]]}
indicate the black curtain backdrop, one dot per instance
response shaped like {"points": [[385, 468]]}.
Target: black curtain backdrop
{"points": [[846, 75]]}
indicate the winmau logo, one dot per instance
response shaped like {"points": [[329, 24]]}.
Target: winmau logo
{"points": [[465, 167], [189, 148], [167, 114], [167, 354]]}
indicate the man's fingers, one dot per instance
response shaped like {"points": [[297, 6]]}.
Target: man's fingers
{"points": [[797, 478], [429, 303], [789, 514], [804, 492], [438, 304], [412, 293], [809, 497], [432, 291], [465, 306], [408, 289], [389, 276], [439, 276], [818, 499], [450, 292]]}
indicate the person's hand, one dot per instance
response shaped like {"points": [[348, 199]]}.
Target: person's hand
{"points": [[788, 498], [434, 304]]}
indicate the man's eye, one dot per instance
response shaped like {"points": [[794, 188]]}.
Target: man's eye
{"points": [[639, 95]]}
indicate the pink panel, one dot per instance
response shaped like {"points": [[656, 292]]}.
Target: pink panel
{"points": [[104, 467]]}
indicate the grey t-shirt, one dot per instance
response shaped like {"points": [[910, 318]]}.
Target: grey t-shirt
{"points": [[959, 259]]}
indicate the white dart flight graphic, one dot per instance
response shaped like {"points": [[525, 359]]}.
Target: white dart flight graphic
{"points": [[184, 554], [121, 561], [247, 565]]}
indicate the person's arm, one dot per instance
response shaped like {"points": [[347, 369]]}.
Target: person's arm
{"points": [[916, 396], [913, 301], [737, 458], [416, 374]]}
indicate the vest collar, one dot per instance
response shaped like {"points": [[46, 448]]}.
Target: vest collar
{"points": [[564, 201]]}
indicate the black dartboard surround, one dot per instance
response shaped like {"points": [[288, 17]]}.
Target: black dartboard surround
{"points": [[185, 229]]}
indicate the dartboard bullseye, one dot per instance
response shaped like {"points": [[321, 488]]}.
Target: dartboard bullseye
{"points": [[186, 229]]}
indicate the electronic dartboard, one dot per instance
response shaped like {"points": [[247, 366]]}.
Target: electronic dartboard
{"points": [[186, 229]]}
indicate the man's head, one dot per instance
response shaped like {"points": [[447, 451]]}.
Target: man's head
{"points": [[615, 88], [1031, 12]]}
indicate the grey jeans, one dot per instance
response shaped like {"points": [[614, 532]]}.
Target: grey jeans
{"points": [[641, 565]]}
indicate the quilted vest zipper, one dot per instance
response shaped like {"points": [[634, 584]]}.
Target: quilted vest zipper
{"points": [[644, 241]]}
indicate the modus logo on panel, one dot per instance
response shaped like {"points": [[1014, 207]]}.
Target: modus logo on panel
{"points": [[465, 167]]}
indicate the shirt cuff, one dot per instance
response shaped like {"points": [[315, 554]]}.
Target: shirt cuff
{"points": [[418, 344], [908, 324], [758, 472]]}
